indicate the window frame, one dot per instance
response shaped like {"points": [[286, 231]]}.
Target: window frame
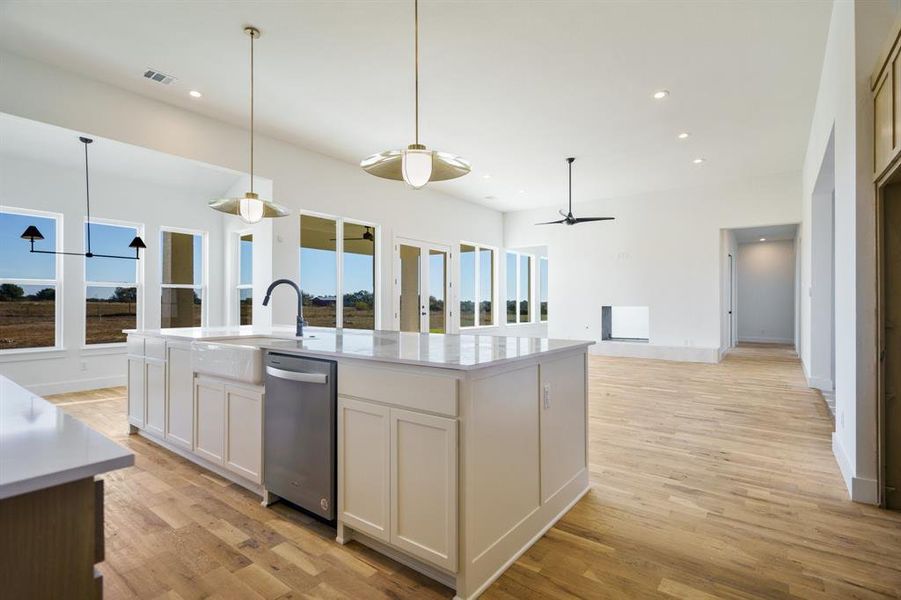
{"points": [[139, 284], [530, 297], [543, 260], [204, 270], [477, 287], [58, 329], [340, 221], [238, 285]]}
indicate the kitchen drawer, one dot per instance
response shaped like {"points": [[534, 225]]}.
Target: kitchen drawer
{"points": [[415, 390], [135, 345], [155, 347]]}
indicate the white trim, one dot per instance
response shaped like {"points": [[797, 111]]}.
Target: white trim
{"points": [[495, 252], [204, 269], [340, 221], [766, 340], [58, 325], [841, 457], [11, 355], [518, 279], [538, 287], [76, 385]]}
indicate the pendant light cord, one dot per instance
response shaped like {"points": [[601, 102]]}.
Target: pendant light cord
{"points": [[252, 35], [570, 187], [87, 190], [416, 64]]}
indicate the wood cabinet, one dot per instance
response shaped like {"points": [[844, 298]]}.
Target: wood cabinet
{"points": [[209, 419], [397, 478], [364, 432], [155, 390], [886, 90], [136, 391], [423, 492], [180, 397], [243, 436]]}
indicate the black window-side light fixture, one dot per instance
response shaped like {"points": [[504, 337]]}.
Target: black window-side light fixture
{"points": [[32, 233]]}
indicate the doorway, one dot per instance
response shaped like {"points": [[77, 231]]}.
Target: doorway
{"points": [[890, 343], [421, 286]]}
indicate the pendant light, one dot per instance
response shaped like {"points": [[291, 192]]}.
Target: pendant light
{"points": [[250, 207], [32, 233], [417, 165]]}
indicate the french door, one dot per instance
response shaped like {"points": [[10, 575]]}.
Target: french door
{"points": [[421, 286]]}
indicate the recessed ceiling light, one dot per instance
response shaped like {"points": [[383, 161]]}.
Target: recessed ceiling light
{"points": [[684, 135], [661, 94], [698, 161], [486, 176], [762, 239], [522, 191], [195, 94]]}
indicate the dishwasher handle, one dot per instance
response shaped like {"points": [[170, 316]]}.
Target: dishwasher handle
{"points": [[297, 376]]}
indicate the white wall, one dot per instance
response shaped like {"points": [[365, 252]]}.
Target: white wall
{"points": [[841, 130], [766, 292], [301, 179], [663, 251], [49, 187]]}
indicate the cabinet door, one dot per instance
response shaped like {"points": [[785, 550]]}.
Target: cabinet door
{"points": [[562, 423], [136, 391], [180, 398], [884, 124], [424, 486], [155, 374], [244, 432], [363, 466], [209, 420]]}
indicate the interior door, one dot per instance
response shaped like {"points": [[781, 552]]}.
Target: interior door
{"points": [[422, 286], [891, 366]]}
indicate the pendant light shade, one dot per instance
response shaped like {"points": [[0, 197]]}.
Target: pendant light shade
{"points": [[416, 165], [250, 207]]}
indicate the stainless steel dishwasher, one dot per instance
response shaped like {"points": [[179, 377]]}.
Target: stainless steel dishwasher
{"points": [[300, 432]]}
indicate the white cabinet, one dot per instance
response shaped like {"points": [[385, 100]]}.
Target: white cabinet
{"points": [[244, 427], [136, 390], [180, 397], [424, 486], [364, 431], [209, 419], [155, 386], [562, 422], [397, 478]]}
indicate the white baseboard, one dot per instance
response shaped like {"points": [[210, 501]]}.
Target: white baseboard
{"points": [[844, 465], [766, 340], [860, 489], [644, 350], [76, 385], [820, 383]]}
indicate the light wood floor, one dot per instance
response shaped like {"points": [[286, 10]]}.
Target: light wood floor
{"points": [[708, 481]]}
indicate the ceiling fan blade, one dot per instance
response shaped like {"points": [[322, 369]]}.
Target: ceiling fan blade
{"points": [[552, 222], [562, 213], [589, 219]]}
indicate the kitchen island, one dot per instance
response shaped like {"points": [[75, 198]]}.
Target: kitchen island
{"points": [[455, 453], [51, 507]]}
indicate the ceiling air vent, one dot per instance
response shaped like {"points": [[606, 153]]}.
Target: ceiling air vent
{"points": [[154, 75]]}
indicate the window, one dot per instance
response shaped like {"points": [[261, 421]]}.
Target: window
{"points": [[542, 289], [111, 284], [30, 316], [519, 288], [625, 323], [338, 260], [245, 279], [476, 286], [182, 282]]}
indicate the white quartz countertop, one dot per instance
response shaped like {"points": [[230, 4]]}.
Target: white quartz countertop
{"points": [[448, 351], [41, 446]]}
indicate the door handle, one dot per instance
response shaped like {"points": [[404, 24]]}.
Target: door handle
{"points": [[295, 376]]}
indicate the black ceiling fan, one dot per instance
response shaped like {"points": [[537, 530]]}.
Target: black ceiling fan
{"points": [[568, 218], [367, 236]]}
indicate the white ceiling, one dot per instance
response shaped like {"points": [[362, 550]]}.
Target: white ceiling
{"points": [[513, 86], [771, 233], [30, 140]]}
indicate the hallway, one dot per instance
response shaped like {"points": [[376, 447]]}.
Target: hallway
{"points": [[708, 481]]}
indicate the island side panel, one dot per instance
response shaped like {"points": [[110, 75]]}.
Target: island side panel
{"points": [[507, 505]]}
